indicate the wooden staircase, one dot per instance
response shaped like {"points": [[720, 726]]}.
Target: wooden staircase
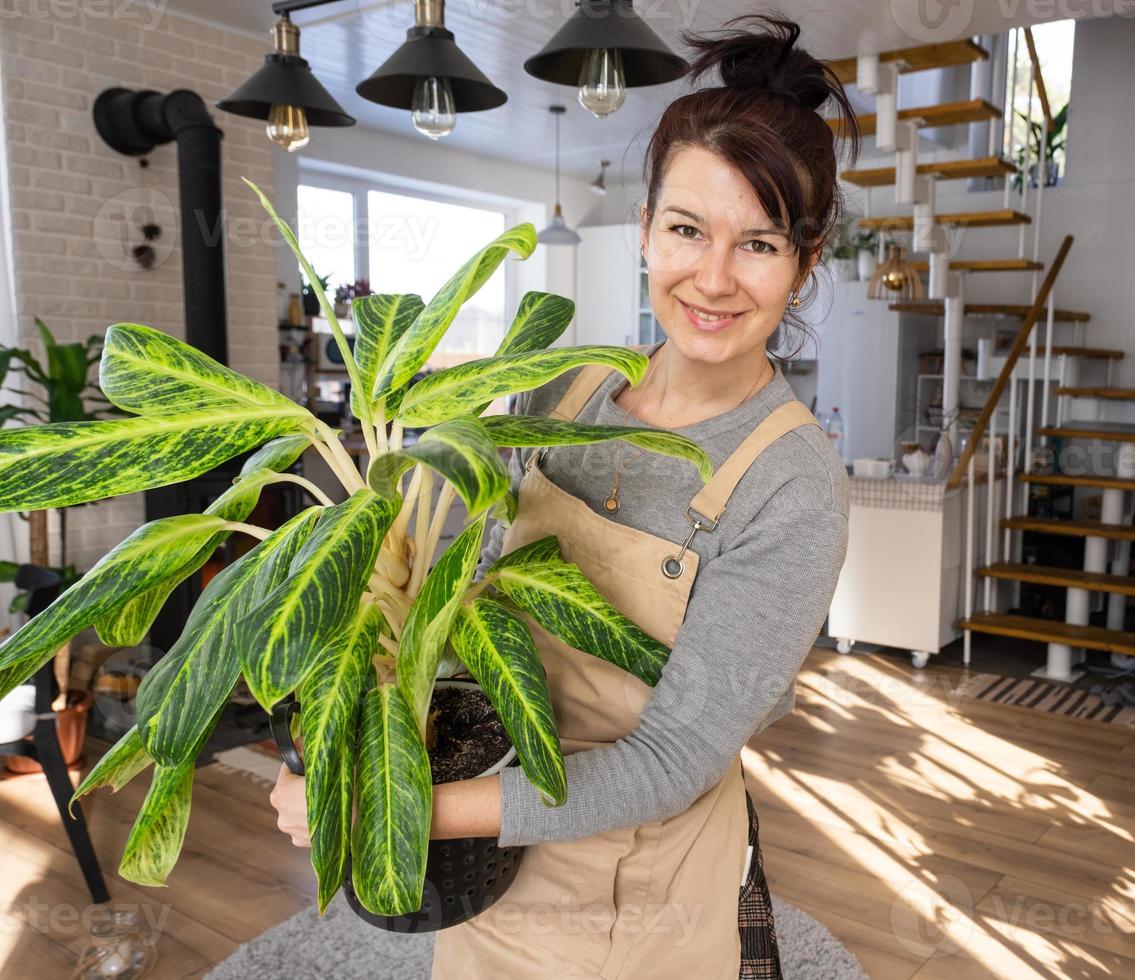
{"points": [[1112, 529]]}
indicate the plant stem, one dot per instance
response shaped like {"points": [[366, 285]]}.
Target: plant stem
{"points": [[250, 529], [307, 485], [402, 521], [437, 525], [346, 471], [332, 463], [421, 531], [395, 435], [478, 587], [389, 643]]}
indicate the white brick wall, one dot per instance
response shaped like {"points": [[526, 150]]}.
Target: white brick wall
{"points": [[55, 60]]}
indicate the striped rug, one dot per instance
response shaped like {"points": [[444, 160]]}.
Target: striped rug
{"points": [[1040, 695]]}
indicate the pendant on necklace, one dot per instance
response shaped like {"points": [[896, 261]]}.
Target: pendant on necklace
{"points": [[611, 503]]}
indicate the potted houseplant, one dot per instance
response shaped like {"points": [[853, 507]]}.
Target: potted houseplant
{"points": [[866, 245], [341, 607], [839, 253], [1030, 154], [346, 293], [310, 294], [58, 389]]}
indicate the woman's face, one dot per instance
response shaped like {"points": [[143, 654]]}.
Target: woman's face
{"points": [[710, 245]]}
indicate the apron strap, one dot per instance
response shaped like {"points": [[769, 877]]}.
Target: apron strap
{"points": [[709, 502], [583, 387]]}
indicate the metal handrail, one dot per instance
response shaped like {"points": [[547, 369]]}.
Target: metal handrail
{"points": [[1015, 352]]}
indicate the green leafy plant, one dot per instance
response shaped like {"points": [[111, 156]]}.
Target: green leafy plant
{"points": [[341, 605], [839, 245], [864, 239], [1027, 156]]}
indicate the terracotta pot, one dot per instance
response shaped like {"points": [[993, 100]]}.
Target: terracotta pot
{"points": [[71, 726]]}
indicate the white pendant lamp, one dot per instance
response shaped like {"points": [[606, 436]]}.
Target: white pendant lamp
{"points": [[558, 232]]}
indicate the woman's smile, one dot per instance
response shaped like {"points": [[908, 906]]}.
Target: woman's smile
{"points": [[707, 322]]}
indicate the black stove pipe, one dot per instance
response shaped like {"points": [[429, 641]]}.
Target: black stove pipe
{"points": [[134, 122]]}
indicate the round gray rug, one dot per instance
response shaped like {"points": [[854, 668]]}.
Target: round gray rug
{"points": [[342, 945]]}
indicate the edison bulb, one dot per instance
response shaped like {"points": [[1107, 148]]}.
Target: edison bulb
{"points": [[287, 127], [602, 84], [432, 110]]}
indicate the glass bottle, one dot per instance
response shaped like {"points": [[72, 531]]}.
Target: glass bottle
{"points": [[122, 947]]}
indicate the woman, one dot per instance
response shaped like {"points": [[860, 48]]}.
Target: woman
{"points": [[637, 875]]}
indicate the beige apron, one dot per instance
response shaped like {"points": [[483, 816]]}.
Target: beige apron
{"points": [[656, 900]]}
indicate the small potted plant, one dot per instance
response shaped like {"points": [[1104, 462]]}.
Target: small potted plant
{"points": [[1030, 153], [342, 607], [310, 294], [839, 254], [866, 244], [343, 300]]}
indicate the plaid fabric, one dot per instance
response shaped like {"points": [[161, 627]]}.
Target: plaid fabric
{"points": [[760, 959]]}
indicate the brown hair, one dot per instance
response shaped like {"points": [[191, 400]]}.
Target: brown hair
{"points": [[764, 120]]}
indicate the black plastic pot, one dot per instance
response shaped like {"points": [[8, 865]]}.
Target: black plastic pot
{"points": [[464, 876], [311, 304]]}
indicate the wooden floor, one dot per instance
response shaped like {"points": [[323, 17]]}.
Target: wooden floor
{"points": [[936, 837]]}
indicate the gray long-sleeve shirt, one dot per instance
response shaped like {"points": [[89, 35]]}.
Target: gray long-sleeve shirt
{"points": [[765, 580]]}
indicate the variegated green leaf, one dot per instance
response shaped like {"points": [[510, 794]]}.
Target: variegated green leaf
{"points": [[121, 763], [498, 650], [461, 451], [148, 372], [131, 567], [192, 682], [391, 835], [457, 390], [565, 603], [540, 320], [329, 698], [282, 635], [535, 430], [65, 463], [129, 624], [505, 509], [431, 614], [380, 321], [159, 830], [542, 549], [415, 346]]}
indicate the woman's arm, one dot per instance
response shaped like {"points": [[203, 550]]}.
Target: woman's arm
{"points": [[753, 615]]}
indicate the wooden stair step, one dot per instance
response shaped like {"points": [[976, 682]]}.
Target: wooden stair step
{"points": [[1078, 529], [1070, 578], [985, 265], [943, 169], [969, 219], [1116, 394], [928, 117], [1050, 631], [1074, 429], [920, 58], [1086, 480], [937, 308]]}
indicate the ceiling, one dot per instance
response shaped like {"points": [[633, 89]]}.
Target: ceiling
{"points": [[346, 40]]}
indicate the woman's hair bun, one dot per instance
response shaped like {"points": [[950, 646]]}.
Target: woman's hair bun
{"points": [[766, 61]]}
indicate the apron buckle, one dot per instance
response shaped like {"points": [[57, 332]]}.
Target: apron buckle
{"points": [[672, 565]]}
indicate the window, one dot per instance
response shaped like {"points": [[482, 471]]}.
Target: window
{"points": [[417, 244], [325, 222], [1054, 42]]}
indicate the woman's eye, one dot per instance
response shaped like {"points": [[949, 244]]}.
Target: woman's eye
{"points": [[679, 229], [761, 246]]}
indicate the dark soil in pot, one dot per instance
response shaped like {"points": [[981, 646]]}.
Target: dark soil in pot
{"points": [[464, 876]]}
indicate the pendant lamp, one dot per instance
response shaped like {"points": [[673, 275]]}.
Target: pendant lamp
{"points": [[603, 49], [286, 94], [895, 278], [558, 232], [431, 76]]}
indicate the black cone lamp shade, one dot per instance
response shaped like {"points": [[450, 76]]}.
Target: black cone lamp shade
{"points": [[611, 25], [286, 79], [286, 94], [430, 52]]}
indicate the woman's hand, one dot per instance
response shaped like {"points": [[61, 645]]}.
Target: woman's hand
{"points": [[290, 800]]}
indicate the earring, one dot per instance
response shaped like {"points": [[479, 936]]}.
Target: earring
{"points": [[795, 300]]}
